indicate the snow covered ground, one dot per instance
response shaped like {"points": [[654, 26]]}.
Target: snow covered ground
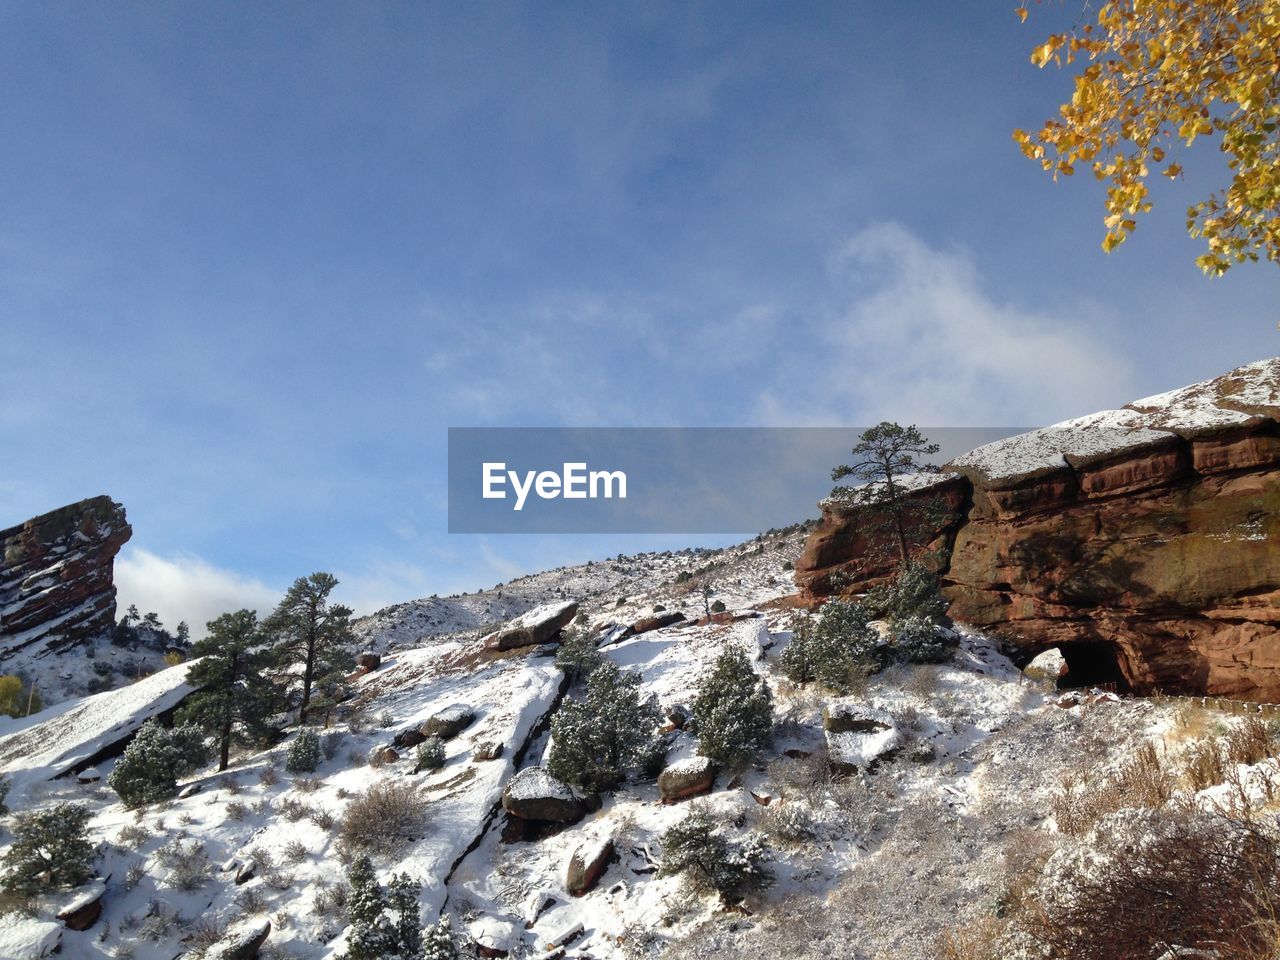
{"points": [[868, 865]]}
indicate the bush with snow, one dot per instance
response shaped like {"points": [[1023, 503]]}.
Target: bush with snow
{"points": [[383, 818], [698, 848], [918, 640], [50, 850], [577, 655], [304, 753], [597, 740], [155, 758], [430, 755], [838, 649], [733, 712], [384, 923], [916, 593], [438, 943]]}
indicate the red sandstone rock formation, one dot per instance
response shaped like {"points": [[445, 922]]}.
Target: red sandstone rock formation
{"points": [[56, 586], [1145, 542]]}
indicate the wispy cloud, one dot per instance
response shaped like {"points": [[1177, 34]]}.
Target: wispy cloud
{"points": [[186, 587], [915, 335]]}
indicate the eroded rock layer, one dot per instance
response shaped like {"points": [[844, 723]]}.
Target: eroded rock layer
{"points": [[1145, 541], [56, 576]]}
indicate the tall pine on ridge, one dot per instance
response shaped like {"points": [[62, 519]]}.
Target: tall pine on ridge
{"points": [[235, 699], [313, 634]]}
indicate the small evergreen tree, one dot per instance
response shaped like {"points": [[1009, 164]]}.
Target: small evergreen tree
{"points": [[50, 850], [733, 712], [837, 649], [315, 635], [235, 699], [430, 755], [577, 655], [697, 847], [919, 641], [595, 741], [155, 758], [914, 593], [5, 784], [437, 942], [304, 754], [374, 935]]}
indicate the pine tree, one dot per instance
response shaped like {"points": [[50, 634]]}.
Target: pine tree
{"points": [[50, 849], [837, 649], [596, 740], [402, 898], [697, 847], [235, 699], [886, 455], [304, 754], [155, 758], [313, 634], [733, 712], [437, 942]]}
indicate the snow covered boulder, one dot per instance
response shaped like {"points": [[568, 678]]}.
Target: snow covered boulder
{"points": [[449, 722], [657, 621], [612, 633], [686, 778], [26, 938], [486, 750], [1049, 665], [852, 751], [587, 864], [848, 716], [533, 794], [242, 941], [84, 907], [535, 627]]}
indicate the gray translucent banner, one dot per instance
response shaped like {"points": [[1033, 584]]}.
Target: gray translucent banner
{"points": [[695, 480]]}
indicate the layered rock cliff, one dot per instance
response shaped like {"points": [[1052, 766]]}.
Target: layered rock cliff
{"points": [[56, 576], [1144, 542]]}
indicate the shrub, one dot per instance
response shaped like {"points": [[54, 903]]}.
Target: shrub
{"points": [[1146, 880], [50, 849], [733, 712], [5, 784], [383, 818], [578, 656], [155, 758], [186, 862], [838, 650], [914, 594], [697, 847], [304, 753], [788, 822], [718, 607], [1143, 781], [374, 935], [430, 755], [919, 641], [595, 741], [438, 943]]}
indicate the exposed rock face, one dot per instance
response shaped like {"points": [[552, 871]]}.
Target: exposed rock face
{"points": [[538, 626], [1144, 542], [56, 587]]}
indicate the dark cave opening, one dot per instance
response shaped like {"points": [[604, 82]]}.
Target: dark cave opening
{"points": [[1092, 664]]}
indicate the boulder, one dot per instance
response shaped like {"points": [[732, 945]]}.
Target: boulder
{"points": [[587, 864], [242, 941], [246, 872], [612, 633], [849, 751], [409, 738], [29, 938], [368, 661], [89, 775], [486, 750], [84, 908], [678, 715], [533, 794], [1140, 542], [449, 722], [385, 754], [657, 621], [535, 627], [686, 778], [849, 716]]}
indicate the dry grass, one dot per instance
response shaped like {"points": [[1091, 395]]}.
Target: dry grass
{"points": [[1086, 795]]}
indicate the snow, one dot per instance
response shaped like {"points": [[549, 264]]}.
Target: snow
{"points": [[533, 783], [25, 938], [689, 766], [54, 741]]}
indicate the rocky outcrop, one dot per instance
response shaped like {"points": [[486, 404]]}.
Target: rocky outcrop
{"points": [[537, 626], [56, 586], [1143, 542]]}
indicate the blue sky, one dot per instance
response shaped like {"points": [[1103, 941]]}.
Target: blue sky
{"points": [[256, 258]]}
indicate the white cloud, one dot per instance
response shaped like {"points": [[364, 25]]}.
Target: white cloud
{"points": [[916, 337], [185, 587]]}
